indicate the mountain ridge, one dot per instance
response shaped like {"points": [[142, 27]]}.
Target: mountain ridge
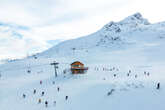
{"points": [[111, 36]]}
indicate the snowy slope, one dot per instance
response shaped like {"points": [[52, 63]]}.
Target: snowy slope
{"points": [[132, 31], [131, 44]]}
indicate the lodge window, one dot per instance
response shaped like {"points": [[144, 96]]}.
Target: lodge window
{"points": [[76, 65]]}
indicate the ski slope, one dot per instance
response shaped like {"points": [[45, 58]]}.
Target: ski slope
{"points": [[139, 48]]}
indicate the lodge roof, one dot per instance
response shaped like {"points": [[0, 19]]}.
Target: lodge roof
{"points": [[77, 62]]}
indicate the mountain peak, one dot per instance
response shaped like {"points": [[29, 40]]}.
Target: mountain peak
{"points": [[137, 15], [136, 18], [129, 22]]}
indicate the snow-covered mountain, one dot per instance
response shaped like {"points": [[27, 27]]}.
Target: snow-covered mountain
{"points": [[12, 30], [130, 32], [14, 38], [10, 35], [125, 61]]}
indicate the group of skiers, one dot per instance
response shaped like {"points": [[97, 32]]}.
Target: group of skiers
{"points": [[128, 74], [66, 97], [114, 68], [106, 69], [43, 93], [146, 74]]}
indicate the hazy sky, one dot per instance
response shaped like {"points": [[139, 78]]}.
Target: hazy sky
{"points": [[28, 26]]}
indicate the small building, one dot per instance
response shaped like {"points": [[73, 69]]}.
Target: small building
{"points": [[78, 68]]}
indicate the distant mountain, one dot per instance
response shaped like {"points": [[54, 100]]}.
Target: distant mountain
{"points": [[133, 31], [14, 38], [12, 30]]}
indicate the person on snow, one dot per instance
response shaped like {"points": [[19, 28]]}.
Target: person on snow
{"points": [[46, 103], [58, 89], [40, 82], [54, 103], [127, 74], [39, 101], [66, 97], [42, 94], [23, 95], [110, 92], [158, 86], [34, 92]]}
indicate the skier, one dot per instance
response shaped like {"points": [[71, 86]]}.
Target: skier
{"points": [[42, 93], [39, 101], [53, 82], [28, 71], [136, 76], [114, 75], [46, 103], [66, 98], [64, 71], [158, 86], [23, 95], [127, 74], [97, 69], [40, 81], [54, 103], [148, 74], [109, 93], [34, 92], [58, 89]]}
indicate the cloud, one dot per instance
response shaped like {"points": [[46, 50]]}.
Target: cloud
{"points": [[15, 43], [30, 26]]}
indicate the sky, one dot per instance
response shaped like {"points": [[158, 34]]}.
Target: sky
{"points": [[31, 26]]}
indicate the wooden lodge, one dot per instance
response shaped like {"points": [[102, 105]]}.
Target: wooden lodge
{"points": [[78, 68]]}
